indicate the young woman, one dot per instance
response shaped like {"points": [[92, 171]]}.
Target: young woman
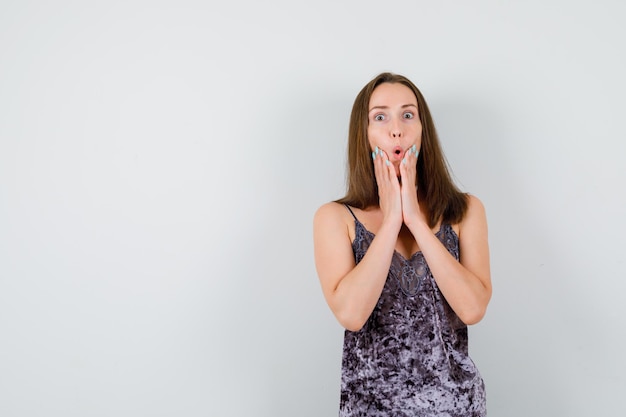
{"points": [[403, 262]]}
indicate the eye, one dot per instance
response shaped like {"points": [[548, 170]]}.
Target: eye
{"points": [[408, 115], [379, 117]]}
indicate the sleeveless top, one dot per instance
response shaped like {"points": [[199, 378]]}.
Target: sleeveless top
{"points": [[411, 356]]}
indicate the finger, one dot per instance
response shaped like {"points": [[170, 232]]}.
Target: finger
{"points": [[379, 162], [408, 167], [390, 171], [379, 168], [386, 163], [375, 161], [410, 155]]}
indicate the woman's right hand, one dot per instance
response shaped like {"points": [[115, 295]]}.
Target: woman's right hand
{"points": [[352, 290], [389, 193]]}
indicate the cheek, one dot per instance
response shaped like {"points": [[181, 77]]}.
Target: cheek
{"points": [[372, 138], [418, 129], [418, 134]]}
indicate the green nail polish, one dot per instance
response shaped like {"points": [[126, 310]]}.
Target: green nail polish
{"points": [[404, 161], [373, 155], [387, 162], [376, 150]]}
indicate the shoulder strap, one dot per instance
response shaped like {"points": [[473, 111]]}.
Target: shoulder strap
{"points": [[351, 212]]}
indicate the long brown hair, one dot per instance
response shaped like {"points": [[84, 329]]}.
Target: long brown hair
{"points": [[436, 191]]}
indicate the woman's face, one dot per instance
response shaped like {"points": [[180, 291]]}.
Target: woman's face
{"points": [[393, 121]]}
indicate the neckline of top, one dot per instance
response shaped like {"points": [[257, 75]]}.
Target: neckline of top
{"points": [[439, 232]]}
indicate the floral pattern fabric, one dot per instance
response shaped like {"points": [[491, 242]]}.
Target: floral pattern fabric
{"points": [[411, 357]]}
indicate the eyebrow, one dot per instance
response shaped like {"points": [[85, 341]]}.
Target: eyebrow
{"points": [[386, 107]]}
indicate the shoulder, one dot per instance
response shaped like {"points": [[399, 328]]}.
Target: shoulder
{"points": [[475, 218], [474, 205], [333, 230], [334, 219], [329, 209], [331, 213]]}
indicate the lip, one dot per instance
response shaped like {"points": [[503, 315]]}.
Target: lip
{"points": [[397, 153]]}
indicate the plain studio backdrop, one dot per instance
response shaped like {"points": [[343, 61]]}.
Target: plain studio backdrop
{"points": [[161, 162]]}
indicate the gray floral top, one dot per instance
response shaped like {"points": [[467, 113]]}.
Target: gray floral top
{"points": [[411, 357]]}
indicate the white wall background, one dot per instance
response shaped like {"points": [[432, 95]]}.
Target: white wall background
{"points": [[161, 161]]}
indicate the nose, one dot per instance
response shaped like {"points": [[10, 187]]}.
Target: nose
{"points": [[395, 131]]}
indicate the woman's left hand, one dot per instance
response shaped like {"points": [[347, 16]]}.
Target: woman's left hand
{"points": [[411, 212]]}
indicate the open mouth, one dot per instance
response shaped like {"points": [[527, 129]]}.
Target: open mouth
{"points": [[397, 151]]}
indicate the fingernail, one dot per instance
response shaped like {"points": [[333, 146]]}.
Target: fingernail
{"points": [[376, 150], [404, 161], [373, 155], [413, 148], [387, 162]]}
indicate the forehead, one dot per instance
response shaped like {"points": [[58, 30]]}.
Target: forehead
{"points": [[392, 94]]}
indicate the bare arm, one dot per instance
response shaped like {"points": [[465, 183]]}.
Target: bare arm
{"points": [[352, 290], [466, 285]]}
